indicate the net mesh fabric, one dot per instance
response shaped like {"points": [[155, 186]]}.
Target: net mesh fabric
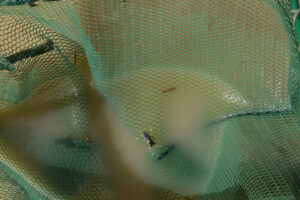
{"points": [[240, 57]]}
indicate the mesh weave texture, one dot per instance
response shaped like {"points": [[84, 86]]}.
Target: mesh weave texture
{"points": [[214, 83]]}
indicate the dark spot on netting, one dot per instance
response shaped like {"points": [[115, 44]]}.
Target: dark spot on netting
{"points": [[296, 183], [73, 143], [75, 58], [169, 89], [7, 66], [32, 52], [166, 152], [68, 181], [235, 192], [32, 4]]}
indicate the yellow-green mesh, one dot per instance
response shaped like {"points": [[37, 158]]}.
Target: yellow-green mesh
{"points": [[244, 51]]}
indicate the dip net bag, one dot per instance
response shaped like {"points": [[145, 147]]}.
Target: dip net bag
{"points": [[205, 97]]}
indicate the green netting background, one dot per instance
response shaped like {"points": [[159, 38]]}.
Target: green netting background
{"points": [[234, 69]]}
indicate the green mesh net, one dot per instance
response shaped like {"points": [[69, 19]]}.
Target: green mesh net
{"points": [[204, 94]]}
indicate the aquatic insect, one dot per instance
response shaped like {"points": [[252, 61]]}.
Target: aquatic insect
{"points": [[148, 139], [86, 138], [169, 89]]}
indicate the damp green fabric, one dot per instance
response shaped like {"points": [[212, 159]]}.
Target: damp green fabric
{"points": [[239, 57]]}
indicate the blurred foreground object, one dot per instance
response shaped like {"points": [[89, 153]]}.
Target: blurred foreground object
{"points": [[134, 99]]}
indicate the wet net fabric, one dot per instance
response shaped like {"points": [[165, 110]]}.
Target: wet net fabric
{"points": [[235, 61]]}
